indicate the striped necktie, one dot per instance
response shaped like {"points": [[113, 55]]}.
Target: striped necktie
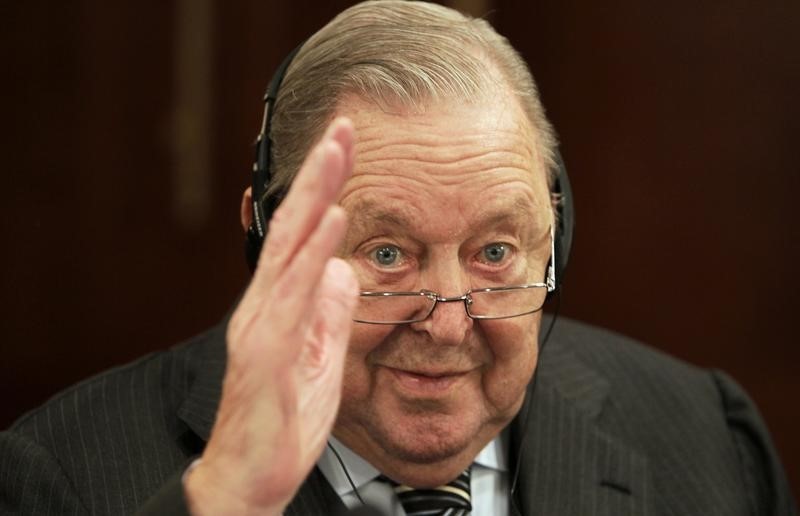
{"points": [[452, 499]]}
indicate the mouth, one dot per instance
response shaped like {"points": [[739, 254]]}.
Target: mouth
{"points": [[427, 382]]}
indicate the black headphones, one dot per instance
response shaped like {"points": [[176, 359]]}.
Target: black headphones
{"points": [[264, 205]]}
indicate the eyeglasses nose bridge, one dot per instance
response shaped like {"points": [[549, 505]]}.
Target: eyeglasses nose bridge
{"points": [[466, 298]]}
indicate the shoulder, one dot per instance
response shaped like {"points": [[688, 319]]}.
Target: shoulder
{"points": [[694, 425], [641, 376], [128, 391], [624, 361], [640, 380], [110, 441]]}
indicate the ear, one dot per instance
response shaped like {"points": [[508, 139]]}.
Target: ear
{"points": [[246, 210]]}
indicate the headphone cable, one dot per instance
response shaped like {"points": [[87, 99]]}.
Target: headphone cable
{"points": [[527, 402], [346, 473]]}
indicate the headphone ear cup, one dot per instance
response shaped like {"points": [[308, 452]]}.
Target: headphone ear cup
{"points": [[252, 247], [264, 206]]}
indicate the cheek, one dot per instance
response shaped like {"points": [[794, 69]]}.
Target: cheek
{"points": [[513, 339], [364, 338], [514, 347], [358, 371]]}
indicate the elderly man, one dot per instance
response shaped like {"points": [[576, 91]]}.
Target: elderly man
{"points": [[387, 349]]}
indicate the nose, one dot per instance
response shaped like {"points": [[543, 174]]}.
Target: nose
{"points": [[448, 325]]}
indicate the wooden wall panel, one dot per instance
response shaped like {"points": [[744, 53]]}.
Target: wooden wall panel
{"points": [[678, 124]]}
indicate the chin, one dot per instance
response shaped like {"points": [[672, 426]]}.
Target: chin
{"points": [[426, 439]]}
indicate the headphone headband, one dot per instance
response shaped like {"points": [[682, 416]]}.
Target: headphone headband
{"points": [[263, 207]]}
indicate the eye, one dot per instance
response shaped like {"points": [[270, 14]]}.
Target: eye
{"points": [[494, 253], [386, 255]]}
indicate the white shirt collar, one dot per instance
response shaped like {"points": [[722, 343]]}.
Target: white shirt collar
{"points": [[493, 456]]}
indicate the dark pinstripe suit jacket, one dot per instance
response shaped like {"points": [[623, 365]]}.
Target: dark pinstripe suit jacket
{"points": [[613, 429]]}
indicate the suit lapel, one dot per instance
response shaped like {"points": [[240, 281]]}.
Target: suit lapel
{"points": [[199, 408], [568, 464]]}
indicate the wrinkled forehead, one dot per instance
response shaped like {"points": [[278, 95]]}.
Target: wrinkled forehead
{"points": [[494, 118], [451, 164], [447, 129]]}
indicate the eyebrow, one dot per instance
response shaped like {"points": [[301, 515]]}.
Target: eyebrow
{"points": [[520, 207], [380, 216]]}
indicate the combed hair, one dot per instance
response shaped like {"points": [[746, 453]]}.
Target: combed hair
{"points": [[396, 53]]}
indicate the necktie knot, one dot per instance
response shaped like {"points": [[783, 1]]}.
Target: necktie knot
{"points": [[451, 499]]}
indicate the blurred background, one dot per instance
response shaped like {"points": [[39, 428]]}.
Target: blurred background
{"points": [[127, 138]]}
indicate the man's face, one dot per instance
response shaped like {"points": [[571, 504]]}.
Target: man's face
{"points": [[448, 200]]}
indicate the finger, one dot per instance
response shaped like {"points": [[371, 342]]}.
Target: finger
{"points": [[335, 301], [345, 135], [316, 187], [296, 287], [324, 354], [338, 296], [293, 306], [284, 236], [282, 240]]}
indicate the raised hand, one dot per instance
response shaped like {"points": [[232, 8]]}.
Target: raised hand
{"points": [[286, 347]]}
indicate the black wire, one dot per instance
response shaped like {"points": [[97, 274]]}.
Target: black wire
{"points": [[552, 322], [527, 402], [346, 473]]}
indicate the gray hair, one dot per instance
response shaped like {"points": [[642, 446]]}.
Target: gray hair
{"points": [[395, 52]]}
